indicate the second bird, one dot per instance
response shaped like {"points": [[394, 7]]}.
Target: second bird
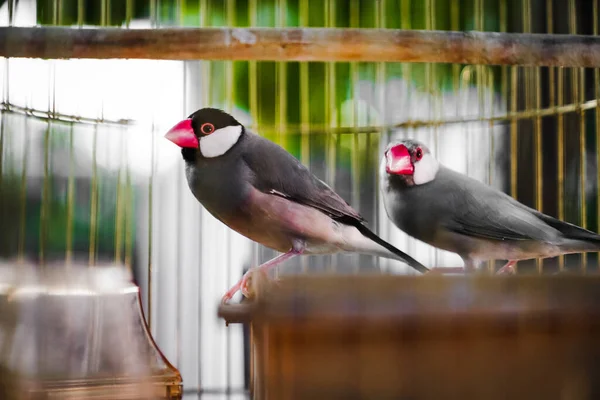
{"points": [[258, 189], [454, 212]]}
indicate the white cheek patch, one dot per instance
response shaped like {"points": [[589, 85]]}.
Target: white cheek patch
{"points": [[217, 143], [425, 169]]}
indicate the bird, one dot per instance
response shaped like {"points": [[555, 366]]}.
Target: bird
{"points": [[454, 212], [261, 191]]}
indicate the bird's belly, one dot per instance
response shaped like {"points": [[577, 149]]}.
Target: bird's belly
{"points": [[483, 250], [278, 223]]}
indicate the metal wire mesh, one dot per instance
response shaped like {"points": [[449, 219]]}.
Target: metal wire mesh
{"points": [[90, 178]]}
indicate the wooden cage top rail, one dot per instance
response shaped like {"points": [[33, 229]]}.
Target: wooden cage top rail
{"points": [[302, 44]]}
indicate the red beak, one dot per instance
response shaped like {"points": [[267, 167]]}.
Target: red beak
{"points": [[182, 134], [398, 161]]}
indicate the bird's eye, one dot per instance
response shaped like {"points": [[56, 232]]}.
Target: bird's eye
{"points": [[419, 154], [207, 128]]}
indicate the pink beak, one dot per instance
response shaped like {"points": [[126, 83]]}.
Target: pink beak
{"points": [[398, 161], [182, 134]]}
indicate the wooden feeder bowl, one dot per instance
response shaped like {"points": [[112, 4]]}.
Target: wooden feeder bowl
{"points": [[78, 333], [423, 337]]}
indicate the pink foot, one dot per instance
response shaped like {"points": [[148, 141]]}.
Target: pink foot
{"points": [[508, 268], [247, 278], [227, 296], [243, 283]]}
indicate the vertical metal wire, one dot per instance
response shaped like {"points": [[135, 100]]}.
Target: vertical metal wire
{"points": [[579, 98], [229, 90], [539, 187], [5, 98], [555, 97], [11, 11], [504, 68], [381, 86], [205, 71], [513, 130], [253, 89], [575, 77], [128, 12], [582, 161], [70, 201], [481, 72], [178, 269], [94, 198], [431, 85], [281, 82], [355, 146], [531, 78], [513, 127], [150, 225], [46, 199], [128, 190], [405, 23], [128, 218], [153, 24], [178, 312], [561, 154], [455, 26], [180, 12], [23, 194], [56, 18], [153, 12], [304, 108], [44, 208], [2, 128], [330, 110], [597, 115], [103, 12], [119, 201], [253, 72], [80, 12]]}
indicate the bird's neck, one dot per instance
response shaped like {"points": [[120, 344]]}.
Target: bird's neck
{"points": [[189, 155]]}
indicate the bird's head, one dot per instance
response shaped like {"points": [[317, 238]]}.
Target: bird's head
{"points": [[209, 131], [411, 161]]}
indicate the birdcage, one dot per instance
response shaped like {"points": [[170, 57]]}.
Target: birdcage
{"points": [[504, 92]]}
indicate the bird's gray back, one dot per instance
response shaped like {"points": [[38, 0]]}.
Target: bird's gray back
{"points": [[454, 202]]}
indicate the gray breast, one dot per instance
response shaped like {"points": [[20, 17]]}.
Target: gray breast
{"points": [[219, 184], [412, 210]]}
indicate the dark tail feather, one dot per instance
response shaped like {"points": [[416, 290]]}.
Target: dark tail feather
{"points": [[571, 231], [408, 259]]}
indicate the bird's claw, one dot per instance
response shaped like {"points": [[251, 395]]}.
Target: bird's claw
{"points": [[229, 295], [245, 283], [508, 269]]}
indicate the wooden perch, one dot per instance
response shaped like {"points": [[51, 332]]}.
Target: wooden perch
{"points": [[302, 44]]}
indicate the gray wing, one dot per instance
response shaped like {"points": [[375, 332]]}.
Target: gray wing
{"points": [[277, 172], [481, 211]]}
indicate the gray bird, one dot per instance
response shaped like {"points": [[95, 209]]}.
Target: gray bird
{"points": [[258, 189], [454, 212]]}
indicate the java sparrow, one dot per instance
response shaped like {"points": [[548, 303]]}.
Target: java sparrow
{"points": [[258, 189], [454, 212]]}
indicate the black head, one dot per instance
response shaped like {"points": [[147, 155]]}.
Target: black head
{"points": [[208, 120], [208, 132]]}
